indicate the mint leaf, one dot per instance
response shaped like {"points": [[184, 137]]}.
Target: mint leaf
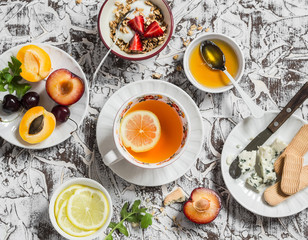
{"points": [[135, 214], [112, 225], [20, 88], [124, 212], [133, 218], [2, 89], [10, 79], [15, 66], [135, 207], [146, 220], [109, 237], [122, 229]]}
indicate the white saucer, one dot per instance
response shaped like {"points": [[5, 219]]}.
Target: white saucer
{"points": [[150, 177], [240, 136], [59, 59]]}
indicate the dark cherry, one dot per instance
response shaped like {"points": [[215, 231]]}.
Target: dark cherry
{"points": [[62, 113], [10, 103], [30, 100]]}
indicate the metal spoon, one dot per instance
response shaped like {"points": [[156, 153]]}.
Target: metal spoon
{"points": [[215, 59], [115, 40]]}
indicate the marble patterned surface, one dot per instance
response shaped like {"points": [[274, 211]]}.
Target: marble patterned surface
{"points": [[274, 38]]}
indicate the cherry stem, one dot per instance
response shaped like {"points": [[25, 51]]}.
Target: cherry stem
{"points": [[75, 124]]}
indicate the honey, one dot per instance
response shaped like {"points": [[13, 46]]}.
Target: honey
{"points": [[213, 78], [171, 132]]}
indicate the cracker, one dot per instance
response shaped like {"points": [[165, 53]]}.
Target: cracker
{"points": [[273, 194], [177, 195], [292, 168], [298, 146]]}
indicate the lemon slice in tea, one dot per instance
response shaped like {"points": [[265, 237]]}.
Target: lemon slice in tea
{"points": [[140, 130]]}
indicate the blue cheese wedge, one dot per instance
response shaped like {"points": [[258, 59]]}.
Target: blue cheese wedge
{"points": [[266, 154], [255, 182], [278, 146], [247, 160], [260, 164]]}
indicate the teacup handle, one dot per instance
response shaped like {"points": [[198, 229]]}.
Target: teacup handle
{"points": [[112, 157]]}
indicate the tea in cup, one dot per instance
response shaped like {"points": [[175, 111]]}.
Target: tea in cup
{"points": [[150, 131]]}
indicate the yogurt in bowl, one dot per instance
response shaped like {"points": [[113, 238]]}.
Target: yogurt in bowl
{"points": [[154, 18]]}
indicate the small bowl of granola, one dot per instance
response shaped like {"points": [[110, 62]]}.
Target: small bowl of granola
{"points": [[145, 31]]}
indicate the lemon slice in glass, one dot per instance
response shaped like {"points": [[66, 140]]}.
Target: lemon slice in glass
{"points": [[88, 209], [65, 195], [67, 226]]}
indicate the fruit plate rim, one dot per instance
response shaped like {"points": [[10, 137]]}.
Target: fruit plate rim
{"points": [[9, 131], [241, 135]]}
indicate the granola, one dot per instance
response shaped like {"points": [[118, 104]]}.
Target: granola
{"points": [[150, 12]]}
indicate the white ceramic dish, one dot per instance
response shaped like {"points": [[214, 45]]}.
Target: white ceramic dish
{"points": [[104, 30], [213, 36], [150, 177], [86, 182], [59, 59], [254, 202]]}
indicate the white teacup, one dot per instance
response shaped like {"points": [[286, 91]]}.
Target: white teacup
{"points": [[121, 153]]}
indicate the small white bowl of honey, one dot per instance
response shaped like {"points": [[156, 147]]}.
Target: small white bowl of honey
{"points": [[205, 78]]}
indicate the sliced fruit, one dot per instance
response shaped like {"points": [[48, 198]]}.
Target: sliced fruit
{"points": [[64, 87], [137, 24], [140, 130], [203, 206], [135, 43], [88, 209], [36, 64], [153, 30], [65, 224], [65, 195], [36, 125]]}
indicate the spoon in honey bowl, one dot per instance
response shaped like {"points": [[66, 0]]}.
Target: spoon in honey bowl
{"points": [[215, 59]]}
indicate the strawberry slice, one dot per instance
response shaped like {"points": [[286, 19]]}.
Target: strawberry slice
{"points": [[135, 43], [153, 30], [137, 24]]}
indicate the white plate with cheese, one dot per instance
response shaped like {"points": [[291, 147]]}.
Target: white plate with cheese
{"points": [[239, 137]]}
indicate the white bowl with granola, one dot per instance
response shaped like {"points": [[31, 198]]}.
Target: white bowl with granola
{"points": [[145, 31]]}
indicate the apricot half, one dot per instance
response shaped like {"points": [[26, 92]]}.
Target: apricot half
{"points": [[35, 63], [64, 87], [203, 206], [36, 125]]}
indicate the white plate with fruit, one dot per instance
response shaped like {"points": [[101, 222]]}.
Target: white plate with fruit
{"points": [[57, 81]]}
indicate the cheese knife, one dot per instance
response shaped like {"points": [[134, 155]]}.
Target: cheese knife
{"points": [[286, 112]]}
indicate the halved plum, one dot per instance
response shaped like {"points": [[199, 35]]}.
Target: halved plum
{"points": [[64, 87], [203, 206]]}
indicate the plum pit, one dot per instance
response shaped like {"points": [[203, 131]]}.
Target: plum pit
{"points": [[201, 205], [66, 87]]}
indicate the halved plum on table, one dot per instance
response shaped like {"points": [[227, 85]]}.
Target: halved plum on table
{"points": [[64, 87], [203, 206]]}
